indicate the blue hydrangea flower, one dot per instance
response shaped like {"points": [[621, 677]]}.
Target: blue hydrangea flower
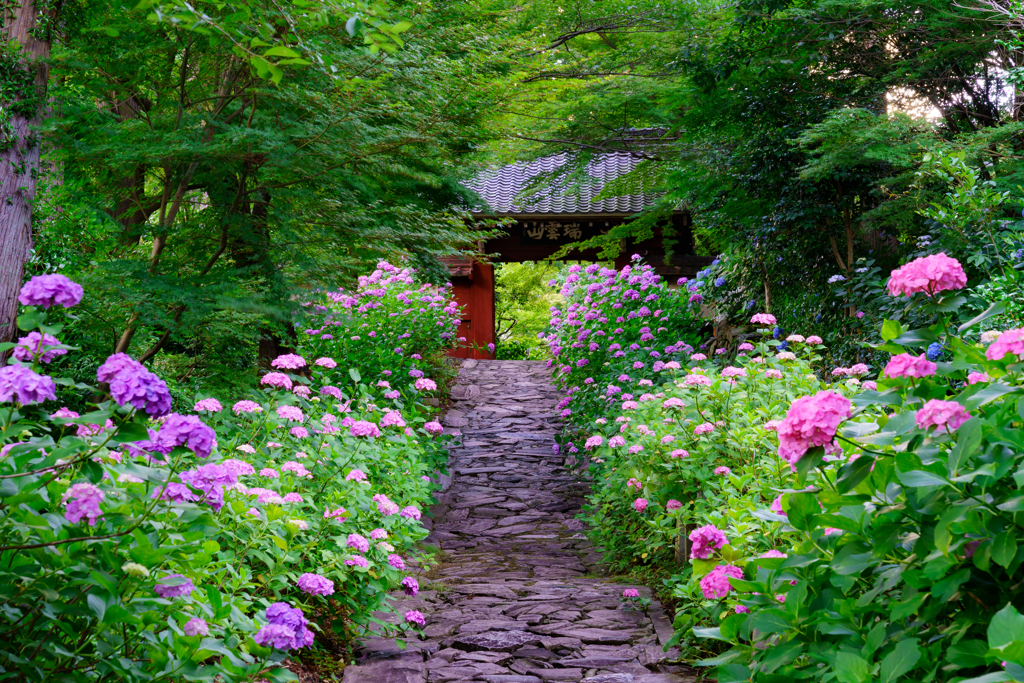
{"points": [[783, 346], [751, 304], [934, 351], [716, 262], [719, 282], [778, 332]]}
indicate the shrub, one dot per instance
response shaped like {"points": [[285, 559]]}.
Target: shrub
{"points": [[137, 543]]}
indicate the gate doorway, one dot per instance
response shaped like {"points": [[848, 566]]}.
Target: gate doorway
{"points": [[546, 221]]}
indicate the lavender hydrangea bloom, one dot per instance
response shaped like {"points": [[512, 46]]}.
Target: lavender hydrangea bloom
{"points": [[314, 584], [145, 391], [286, 630], [47, 290], [175, 493], [411, 586], [188, 431], [176, 589], [38, 346], [397, 562], [211, 480], [358, 542], [18, 381], [114, 365], [411, 512], [415, 617], [197, 627], [82, 500], [364, 428]]}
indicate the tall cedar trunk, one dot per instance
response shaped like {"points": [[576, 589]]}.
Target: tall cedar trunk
{"points": [[19, 160]]}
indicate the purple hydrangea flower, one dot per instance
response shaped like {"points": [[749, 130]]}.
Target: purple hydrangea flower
{"points": [[47, 290], [176, 589], [82, 500], [357, 561], [359, 543], [363, 428], [415, 617], [286, 630], [135, 385], [211, 480], [197, 627], [411, 586], [18, 381], [188, 431], [314, 584], [411, 512], [38, 346], [397, 562], [175, 493]]}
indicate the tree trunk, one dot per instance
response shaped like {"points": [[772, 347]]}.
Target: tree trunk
{"points": [[19, 152]]}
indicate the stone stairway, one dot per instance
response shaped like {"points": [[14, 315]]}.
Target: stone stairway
{"points": [[514, 600]]}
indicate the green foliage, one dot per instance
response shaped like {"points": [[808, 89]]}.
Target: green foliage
{"points": [[522, 300]]}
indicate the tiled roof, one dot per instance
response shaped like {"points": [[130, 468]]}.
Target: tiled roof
{"points": [[508, 190]]}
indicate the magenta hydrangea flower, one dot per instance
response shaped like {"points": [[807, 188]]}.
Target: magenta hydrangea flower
{"points": [[433, 427], [941, 414], [338, 513], [277, 379], [174, 586], [392, 418], [20, 383], [593, 442], [411, 586], [362, 428], [211, 405], [378, 534], [640, 504], [763, 319], [411, 512], [715, 584], [1009, 342], [358, 543], [772, 373], [930, 274], [211, 480], [776, 506], [415, 617], [297, 468], [906, 365], [325, 362], [773, 553], [188, 431], [631, 593], [703, 428], [197, 626], [396, 562], [246, 407], [357, 561], [314, 584], [976, 377], [333, 392], [82, 500], [673, 504], [706, 540], [355, 475], [293, 497], [722, 471], [269, 472], [299, 432], [35, 346], [288, 361], [48, 290], [811, 421]]}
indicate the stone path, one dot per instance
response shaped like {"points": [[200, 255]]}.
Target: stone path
{"points": [[512, 602]]}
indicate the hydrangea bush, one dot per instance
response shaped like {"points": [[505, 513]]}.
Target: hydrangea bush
{"points": [[834, 528], [392, 328], [141, 544]]}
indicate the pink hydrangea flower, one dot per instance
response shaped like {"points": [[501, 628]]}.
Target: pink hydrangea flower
{"points": [[325, 362], [209, 404], [358, 543], [411, 512], [292, 413], [635, 449], [355, 475], [269, 473], [357, 561], [415, 617], [722, 471], [196, 626], [673, 504], [246, 407], [640, 504], [930, 274], [288, 361], [772, 373], [299, 432], [696, 380], [277, 379], [859, 369], [976, 377], [811, 421], [396, 562], [698, 357], [378, 534], [777, 506], [763, 319], [631, 593], [295, 467], [338, 513], [730, 371], [301, 390], [716, 583], [906, 365], [616, 441], [814, 340], [706, 540], [703, 428], [938, 414], [870, 385], [773, 553], [679, 453], [362, 428], [1010, 341], [424, 384], [667, 439]]}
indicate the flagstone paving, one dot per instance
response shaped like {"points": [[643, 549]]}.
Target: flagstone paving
{"points": [[515, 600]]}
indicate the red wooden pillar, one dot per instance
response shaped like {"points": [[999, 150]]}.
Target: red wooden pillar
{"points": [[474, 293]]}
